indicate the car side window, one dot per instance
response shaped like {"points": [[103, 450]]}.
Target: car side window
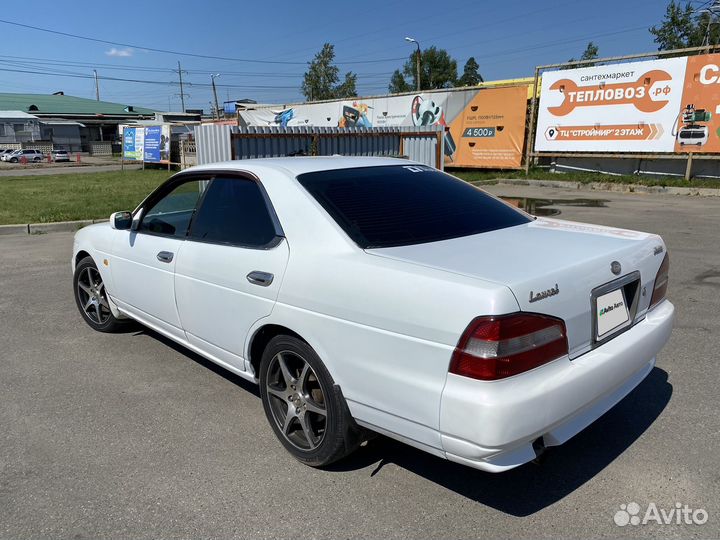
{"points": [[171, 215], [234, 211]]}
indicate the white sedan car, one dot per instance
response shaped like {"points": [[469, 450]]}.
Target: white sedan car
{"points": [[379, 295]]}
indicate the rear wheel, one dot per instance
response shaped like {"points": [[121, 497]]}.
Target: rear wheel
{"points": [[37, 159], [92, 299], [303, 405]]}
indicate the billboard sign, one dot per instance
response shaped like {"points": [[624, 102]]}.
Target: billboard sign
{"points": [[484, 127], [157, 144], [668, 105], [133, 143]]}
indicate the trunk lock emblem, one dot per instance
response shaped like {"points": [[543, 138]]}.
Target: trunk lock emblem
{"points": [[615, 267]]}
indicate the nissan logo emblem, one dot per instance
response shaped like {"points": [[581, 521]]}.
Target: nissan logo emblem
{"points": [[615, 267]]}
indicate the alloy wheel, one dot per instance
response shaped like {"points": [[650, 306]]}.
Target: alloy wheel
{"points": [[92, 295], [296, 400]]}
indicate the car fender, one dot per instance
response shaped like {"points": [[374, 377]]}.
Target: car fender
{"points": [[95, 240]]}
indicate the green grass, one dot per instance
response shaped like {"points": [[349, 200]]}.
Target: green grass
{"points": [[67, 197], [474, 175]]}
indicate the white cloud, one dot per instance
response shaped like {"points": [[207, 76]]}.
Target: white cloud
{"points": [[120, 52]]}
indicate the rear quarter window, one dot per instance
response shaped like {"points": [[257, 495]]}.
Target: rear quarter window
{"points": [[401, 205]]}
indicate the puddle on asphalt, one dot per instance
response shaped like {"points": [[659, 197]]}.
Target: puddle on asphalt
{"points": [[545, 207]]}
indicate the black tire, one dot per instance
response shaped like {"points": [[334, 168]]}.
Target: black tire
{"points": [[338, 435], [14, 160], [37, 160], [91, 298]]}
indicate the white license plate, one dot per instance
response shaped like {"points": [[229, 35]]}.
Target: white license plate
{"points": [[611, 312]]}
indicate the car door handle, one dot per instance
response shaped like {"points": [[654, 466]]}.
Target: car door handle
{"points": [[165, 256], [260, 278]]}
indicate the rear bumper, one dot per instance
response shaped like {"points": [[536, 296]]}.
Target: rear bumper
{"points": [[491, 425]]}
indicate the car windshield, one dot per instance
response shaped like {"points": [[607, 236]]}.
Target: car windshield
{"points": [[400, 205]]}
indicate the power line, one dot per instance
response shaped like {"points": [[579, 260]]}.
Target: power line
{"points": [[141, 81], [35, 61], [179, 53]]}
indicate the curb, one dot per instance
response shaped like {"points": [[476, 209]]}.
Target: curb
{"points": [[606, 186], [14, 229], [44, 228]]}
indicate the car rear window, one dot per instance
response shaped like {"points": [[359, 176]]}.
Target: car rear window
{"points": [[400, 205]]}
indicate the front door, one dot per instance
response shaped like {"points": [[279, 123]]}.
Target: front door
{"points": [[143, 261]]}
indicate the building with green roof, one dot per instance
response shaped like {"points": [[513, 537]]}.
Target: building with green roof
{"points": [[94, 120]]}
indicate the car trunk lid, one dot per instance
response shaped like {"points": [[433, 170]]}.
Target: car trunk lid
{"points": [[553, 267]]}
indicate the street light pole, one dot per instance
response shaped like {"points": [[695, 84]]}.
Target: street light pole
{"points": [[217, 109], [417, 61]]}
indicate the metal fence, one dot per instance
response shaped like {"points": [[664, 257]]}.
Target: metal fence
{"points": [[222, 143]]}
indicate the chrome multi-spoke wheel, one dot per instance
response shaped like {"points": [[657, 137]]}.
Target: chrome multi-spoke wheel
{"points": [[92, 299], [305, 408], [92, 295], [297, 400]]}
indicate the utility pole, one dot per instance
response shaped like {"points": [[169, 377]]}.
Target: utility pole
{"points": [[713, 12], [97, 86], [182, 93], [217, 107], [417, 61]]}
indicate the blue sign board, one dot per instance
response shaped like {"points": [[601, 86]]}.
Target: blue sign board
{"points": [[153, 136], [130, 144]]}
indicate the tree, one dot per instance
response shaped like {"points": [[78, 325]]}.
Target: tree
{"points": [[321, 79], [591, 53], [398, 84], [437, 70], [683, 27], [347, 88], [470, 76]]}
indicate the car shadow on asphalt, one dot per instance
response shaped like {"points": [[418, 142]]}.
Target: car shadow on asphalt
{"points": [[212, 366], [532, 487], [519, 492]]}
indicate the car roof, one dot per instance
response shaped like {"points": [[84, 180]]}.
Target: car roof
{"points": [[300, 165]]}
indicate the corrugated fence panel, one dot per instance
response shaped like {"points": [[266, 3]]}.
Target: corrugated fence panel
{"points": [[221, 143], [423, 148], [213, 143]]}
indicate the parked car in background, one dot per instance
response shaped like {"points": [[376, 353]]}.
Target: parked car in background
{"points": [[6, 152], [384, 295], [35, 156], [60, 155]]}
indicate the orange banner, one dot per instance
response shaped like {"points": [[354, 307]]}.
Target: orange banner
{"points": [[638, 93], [490, 131], [697, 127]]}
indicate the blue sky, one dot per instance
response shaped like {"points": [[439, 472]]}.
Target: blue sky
{"points": [[507, 39]]}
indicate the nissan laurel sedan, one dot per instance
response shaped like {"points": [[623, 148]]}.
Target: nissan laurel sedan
{"points": [[380, 295]]}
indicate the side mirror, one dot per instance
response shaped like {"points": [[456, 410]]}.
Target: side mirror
{"points": [[121, 221], [136, 220]]}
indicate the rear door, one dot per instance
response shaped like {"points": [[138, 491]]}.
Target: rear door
{"points": [[228, 273]]}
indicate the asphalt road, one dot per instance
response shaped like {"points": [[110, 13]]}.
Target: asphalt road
{"points": [[129, 435], [98, 165]]}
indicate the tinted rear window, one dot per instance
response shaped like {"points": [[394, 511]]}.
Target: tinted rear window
{"points": [[400, 205]]}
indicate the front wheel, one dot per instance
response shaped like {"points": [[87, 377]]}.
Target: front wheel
{"points": [[92, 299], [303, 405]]}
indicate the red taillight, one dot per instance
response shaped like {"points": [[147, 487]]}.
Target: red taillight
{"points": [[500, 346], [661, 282]]}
